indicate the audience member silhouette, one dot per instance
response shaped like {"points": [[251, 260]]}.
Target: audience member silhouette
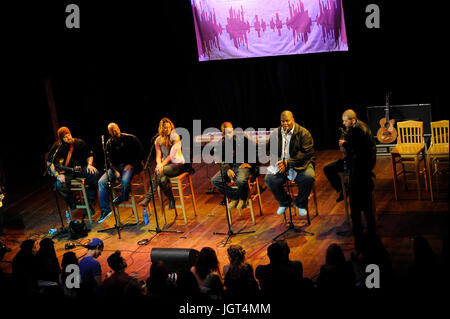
{"points": [[187, 288], [281, 278], [159, 285], [425, 273], [120, 284], [373, 252], [69, 258], [207, 273], [24, 269], [47, 263], [239, 280], [337, 273]]}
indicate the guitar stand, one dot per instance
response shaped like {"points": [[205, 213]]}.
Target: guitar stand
{"points": [[63, 231], [291, 225]]}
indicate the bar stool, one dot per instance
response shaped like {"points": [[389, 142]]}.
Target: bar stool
{"points": [[293, 185], [254, 193], [77, 185], [344, 176], [410, 149], [178, 185], [131, 203], [437, 154]]}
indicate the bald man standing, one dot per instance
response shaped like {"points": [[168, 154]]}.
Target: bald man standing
{"points": [[360, 146], [124, 153], [296, 162]]}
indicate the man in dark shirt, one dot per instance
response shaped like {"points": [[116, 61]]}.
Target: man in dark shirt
{"points": [[360, 147], [282, 277], [124, 153], [120, 284], [72, 153], [235, 168]]}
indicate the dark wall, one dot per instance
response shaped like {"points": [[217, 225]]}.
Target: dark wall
{"points": [[134, 62]]}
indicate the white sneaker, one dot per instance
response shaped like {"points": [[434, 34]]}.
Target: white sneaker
{"points": [[302, 211], [281, 210]]}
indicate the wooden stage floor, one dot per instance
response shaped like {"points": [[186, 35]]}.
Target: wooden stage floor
{"points": [[397, 221]]}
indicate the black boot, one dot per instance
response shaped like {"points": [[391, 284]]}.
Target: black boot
{"points": [[148, 197], [169, 194]]}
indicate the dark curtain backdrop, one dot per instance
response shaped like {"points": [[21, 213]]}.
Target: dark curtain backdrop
{"points": [[134, 62]]}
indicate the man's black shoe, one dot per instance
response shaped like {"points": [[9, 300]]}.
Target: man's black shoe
{"points": [[104, 216]]}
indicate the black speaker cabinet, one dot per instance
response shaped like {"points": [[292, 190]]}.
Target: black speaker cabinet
{"points": [[175, 258], [407, 112]]}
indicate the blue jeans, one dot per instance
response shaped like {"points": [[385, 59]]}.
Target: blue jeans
{"points": [[304, 180], [241, 180], [126, 176], [90, 181]]}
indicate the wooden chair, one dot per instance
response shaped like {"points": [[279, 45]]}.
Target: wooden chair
{"points": [[179, 184], [410, 149], [254, 193], [77, 185], [438, 153], [312, 195], [138, 181]]}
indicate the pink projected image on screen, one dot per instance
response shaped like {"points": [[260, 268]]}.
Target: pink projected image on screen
{"points": [[253, 28]]}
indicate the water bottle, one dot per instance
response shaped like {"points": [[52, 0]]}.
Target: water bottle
{"points": [[68, 219], [145, 216]]}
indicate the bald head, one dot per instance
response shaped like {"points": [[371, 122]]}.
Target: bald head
{"points": [[114, 130], [287, 120], [349, 118]]}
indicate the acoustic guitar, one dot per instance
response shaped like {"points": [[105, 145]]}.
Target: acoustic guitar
{"points": [[65, 169], [387, 132]]}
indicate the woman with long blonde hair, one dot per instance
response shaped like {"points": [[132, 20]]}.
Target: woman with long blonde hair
{"points": [[169, 160]]}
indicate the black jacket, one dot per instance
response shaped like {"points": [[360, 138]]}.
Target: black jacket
{"points": [[361, 148], [127, 149], [301, 147]]}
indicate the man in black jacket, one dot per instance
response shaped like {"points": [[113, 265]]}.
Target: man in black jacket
{"points": [[77, 158], [360, 147], [296, 162], [124, 153], [236, 166]]}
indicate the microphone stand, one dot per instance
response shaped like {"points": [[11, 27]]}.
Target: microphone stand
{"points": [[63, 230], [290, 225], [230, 232], [157, 230], [118, 225]]}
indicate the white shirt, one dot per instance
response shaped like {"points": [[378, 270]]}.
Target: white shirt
{"points": [[285, 142]]}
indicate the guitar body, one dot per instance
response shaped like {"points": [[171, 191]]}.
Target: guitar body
{"points": [[387, 132]]}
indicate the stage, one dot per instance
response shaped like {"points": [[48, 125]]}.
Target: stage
{"points": [[397, 223]]}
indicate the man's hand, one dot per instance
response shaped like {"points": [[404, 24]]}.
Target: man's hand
{"points": [[91, 169], [341, 143], [61, 178], [158, 169], [128, 167], [231, 174], [245, 165], [281, 167]]}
